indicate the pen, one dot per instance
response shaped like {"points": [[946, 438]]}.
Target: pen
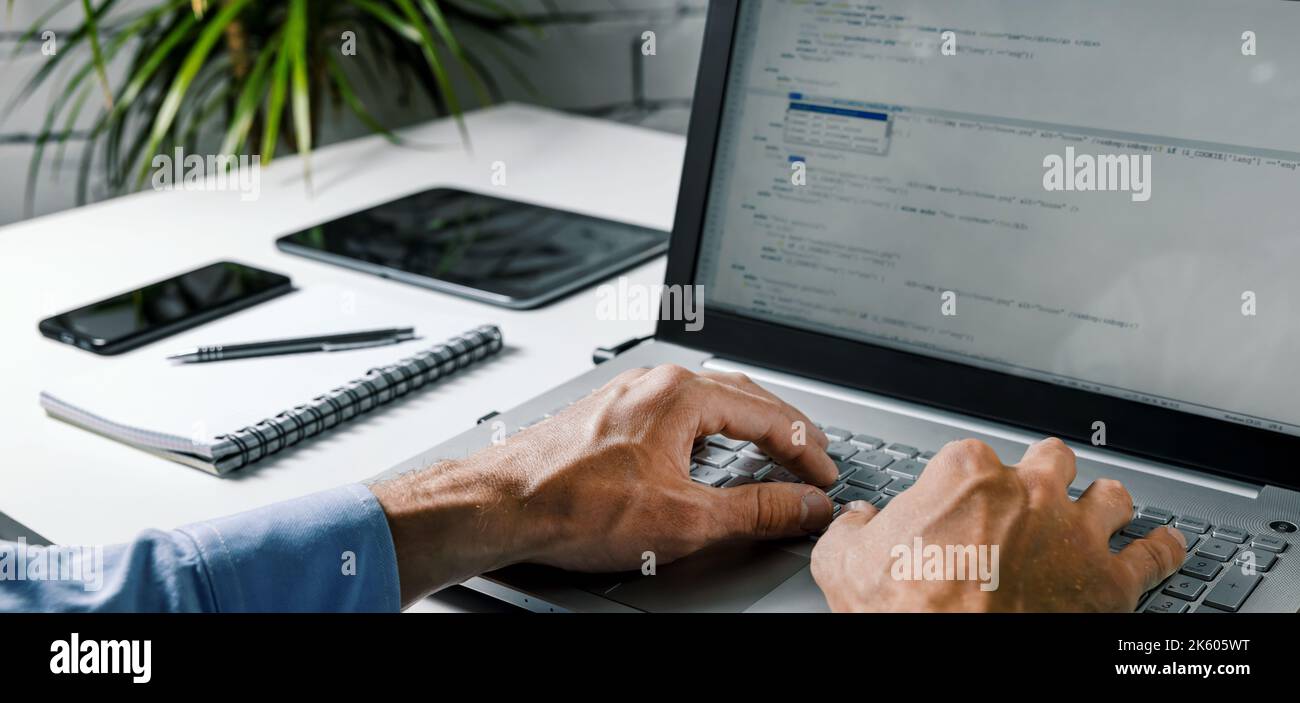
{"points": [[301, 345]]}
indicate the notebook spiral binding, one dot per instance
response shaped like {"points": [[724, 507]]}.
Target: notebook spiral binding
{"points": [[378, 387]]}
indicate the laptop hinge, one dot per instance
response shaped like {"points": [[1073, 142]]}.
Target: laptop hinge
{"points": [[973, 424], [603, 354]]}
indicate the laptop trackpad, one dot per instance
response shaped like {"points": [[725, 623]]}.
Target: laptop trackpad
{"points": [[721, 579]]}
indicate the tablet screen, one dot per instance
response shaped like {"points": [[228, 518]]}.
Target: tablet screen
{"points": [[507, 248]]}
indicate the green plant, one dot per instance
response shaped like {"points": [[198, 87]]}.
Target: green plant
{"points": [[245, 67]]}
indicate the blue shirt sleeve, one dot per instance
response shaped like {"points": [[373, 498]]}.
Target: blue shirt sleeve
{"points": [[331, 551]]}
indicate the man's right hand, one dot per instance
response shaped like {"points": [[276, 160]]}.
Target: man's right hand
{"points": [[607, 481], [1053, 554]]}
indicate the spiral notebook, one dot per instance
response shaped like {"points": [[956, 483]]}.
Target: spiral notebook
{"points": [[222, 416]]}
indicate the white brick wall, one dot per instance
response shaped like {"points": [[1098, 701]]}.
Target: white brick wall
{"points": [[585, 60]]}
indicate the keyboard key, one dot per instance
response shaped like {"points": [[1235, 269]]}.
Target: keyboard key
{"points": [[841, 451], [883, 500], [866, 441], [925, 457], [1194, 524], [781, 474], [1139, 528], [709, 476], [1185, 587], [715, 457], [748, 465], [739, 481], [732, 445], [1231, 592], [1073, 492], [1216, 549], [870, 479], [754, 451], [846, 469], [903, 450], [1165, 604], [1231, 534], [899, 486], [1118, 542], [837, 434], [1268, 542], [1263, 560], [852, 493], [1201, 568], [873, 460], [1191, 538], [911, 468], [1159, 515]]}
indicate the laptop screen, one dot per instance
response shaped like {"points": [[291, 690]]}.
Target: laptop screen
{"points": [[1103, 194]]}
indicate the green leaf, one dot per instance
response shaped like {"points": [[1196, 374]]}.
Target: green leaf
{"points": [[430, 51], [37, 26], [211, 91], [275, 103], [83, 172], [189, 68], [507, 11], [56, 108], [178, 81], [350, 98], [68, 125], [241, 120], [145, 71], [508, 64], [47, 68], [449, 38], [394, 22], [296, 35], [92, 29]]}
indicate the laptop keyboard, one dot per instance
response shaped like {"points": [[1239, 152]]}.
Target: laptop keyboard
{"points": [[870, 468], [1216, 576]]}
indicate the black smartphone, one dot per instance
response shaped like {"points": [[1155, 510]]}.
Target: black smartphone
{"points": [[497, 251], [124, 322]]}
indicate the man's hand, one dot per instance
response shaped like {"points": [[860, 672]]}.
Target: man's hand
{"points": [[607, 480], [1053, 554]]}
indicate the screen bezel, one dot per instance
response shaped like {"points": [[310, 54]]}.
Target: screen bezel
{"points": [[1216, 446]]}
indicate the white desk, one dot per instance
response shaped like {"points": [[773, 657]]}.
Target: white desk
{"points": [[75, 487]]}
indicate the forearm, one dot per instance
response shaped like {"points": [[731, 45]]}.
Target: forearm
{"points": [[327, 551], [453, 521], [156, 572]]}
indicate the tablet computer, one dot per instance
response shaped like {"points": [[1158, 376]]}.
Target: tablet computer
{"points": [[478, 246]]}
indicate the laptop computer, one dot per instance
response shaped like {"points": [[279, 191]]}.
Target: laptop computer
{"points": [[1001, 219]]}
